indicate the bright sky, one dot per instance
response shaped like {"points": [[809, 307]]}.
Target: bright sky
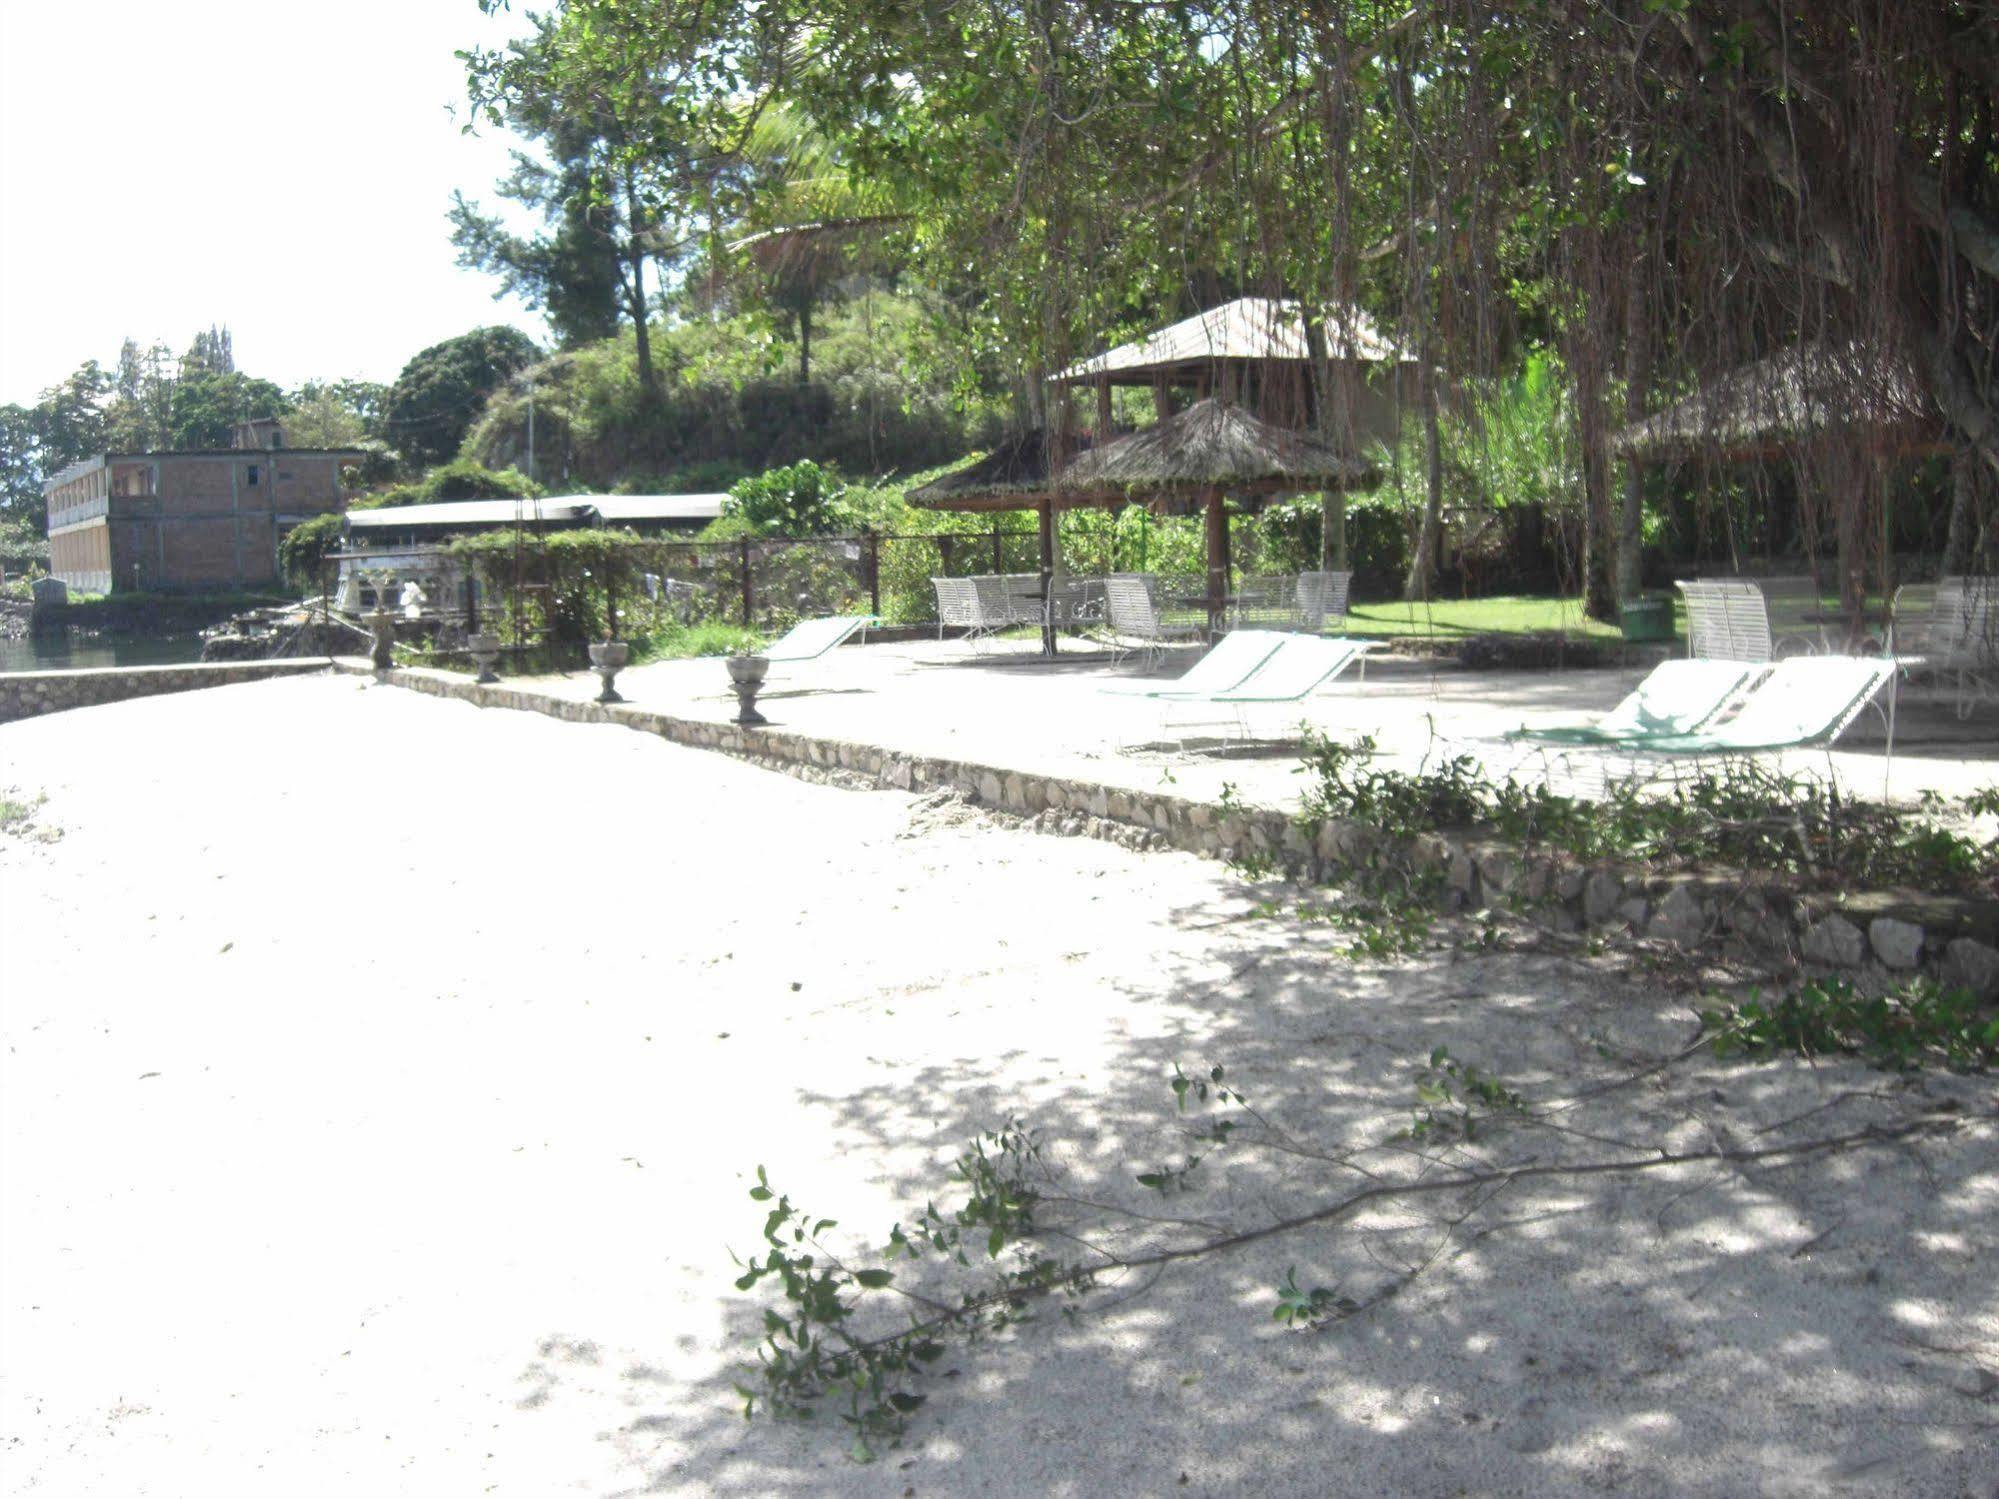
{"points": [[279, 167]]}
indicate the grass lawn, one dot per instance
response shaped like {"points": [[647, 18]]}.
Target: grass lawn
{"points": [[1508, 615]]}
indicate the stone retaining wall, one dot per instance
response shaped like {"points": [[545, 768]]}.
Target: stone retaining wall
{"points": [[27, 694], [1955, 939]]}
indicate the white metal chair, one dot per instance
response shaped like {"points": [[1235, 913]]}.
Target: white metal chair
{"points": [[1266, 604], [1953, 628], [958, 609], [1322, 596], [1135, 616], [1727, 620]]}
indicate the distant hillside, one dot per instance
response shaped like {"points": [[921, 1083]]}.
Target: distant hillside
{"points": [[883, 399]]}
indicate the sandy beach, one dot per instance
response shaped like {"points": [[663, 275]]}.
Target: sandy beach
{"points": [[384, 1080]]}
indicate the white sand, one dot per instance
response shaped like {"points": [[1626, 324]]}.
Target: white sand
{"points": [[382, 1081]]}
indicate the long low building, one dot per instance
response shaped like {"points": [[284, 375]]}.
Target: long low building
{"points": [[414, 525]]}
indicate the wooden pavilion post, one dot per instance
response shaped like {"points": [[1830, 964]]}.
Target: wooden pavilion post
{"points": [[1218, 561]]}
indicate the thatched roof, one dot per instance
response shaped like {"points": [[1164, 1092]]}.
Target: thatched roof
{"points": [[1802, 392], [1214, 445], [1013, 476], [1249, 328]]}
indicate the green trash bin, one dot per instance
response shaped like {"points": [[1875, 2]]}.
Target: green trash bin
{"points": [[1647, 619]]}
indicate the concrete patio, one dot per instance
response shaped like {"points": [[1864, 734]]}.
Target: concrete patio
{"points": [[1010, 707]]}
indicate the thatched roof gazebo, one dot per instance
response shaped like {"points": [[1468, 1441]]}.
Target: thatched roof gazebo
{"points": [[1255, 352], [1839, 415], [1798, 395], [1195, 458], [1013, 476]]}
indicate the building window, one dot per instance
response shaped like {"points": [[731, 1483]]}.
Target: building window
{"points": [[253, 476]]}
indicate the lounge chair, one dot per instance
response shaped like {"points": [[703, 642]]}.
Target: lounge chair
{"points": [[1228, 664], [1806, 700], [1299, 667], [1678, 698], [810, 639]]}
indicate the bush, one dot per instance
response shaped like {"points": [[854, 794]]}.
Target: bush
{"points": [[303, 548], [803, 499]]}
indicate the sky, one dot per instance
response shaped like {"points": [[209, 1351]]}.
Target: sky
{"points": [[281, 168]]}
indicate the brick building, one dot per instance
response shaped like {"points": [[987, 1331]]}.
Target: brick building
{"points": [[199, 519]]}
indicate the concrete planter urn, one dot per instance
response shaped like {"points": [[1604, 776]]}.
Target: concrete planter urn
{"points": [[382, 625], [485, 650], [747, 674], [607, 659]]}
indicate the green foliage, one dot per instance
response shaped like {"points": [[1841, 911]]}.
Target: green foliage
{"points": [[883, 399], [1736, 814], [463, 479], [802, 499], [16, 814], [1452, 1096], [441, 391], [305, 546], [1301, 1310], [1900, 1030], [810, 1350]]}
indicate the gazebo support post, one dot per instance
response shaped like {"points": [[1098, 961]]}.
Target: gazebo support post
{"points": [[1218, 562], [1045, 514]]}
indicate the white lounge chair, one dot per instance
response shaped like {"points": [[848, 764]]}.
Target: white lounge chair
{"points": [[810, 639], [1806, 700], [1679, 697], [1300, 666], [1228, 664]]}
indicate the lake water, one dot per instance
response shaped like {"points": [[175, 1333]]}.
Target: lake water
{"points": [[68, 652]]}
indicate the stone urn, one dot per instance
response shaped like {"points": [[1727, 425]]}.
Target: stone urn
{"points": [[607, 659], [484, 647], [747, 673], [382, 625]]}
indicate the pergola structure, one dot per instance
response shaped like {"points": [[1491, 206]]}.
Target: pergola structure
{"points": [[1016, 475], [1186, 464], [1195, 459], [1255, 352], [1841, 407], [1230, 387]]}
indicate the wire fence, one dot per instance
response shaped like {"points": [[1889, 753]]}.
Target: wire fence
{"points": [[574, 586]]}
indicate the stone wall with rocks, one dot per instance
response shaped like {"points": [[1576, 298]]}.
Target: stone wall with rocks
{"points": [[28, 694], [1759, 917]]}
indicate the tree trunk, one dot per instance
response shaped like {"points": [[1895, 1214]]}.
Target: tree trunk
{"points": [[805, 341], [1599, 533], [1637, 390], [1423, 561], [1963, 534], [1332, 531], [635, 289]]}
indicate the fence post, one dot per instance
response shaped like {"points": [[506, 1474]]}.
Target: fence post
{"points": [[874, 574], [743, 552], [999, 560], [946, 548]]}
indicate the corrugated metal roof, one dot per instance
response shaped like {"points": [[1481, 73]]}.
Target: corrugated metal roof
{"points": [[1247, 328], [570, 512], [555, 510], [644, 507]]}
